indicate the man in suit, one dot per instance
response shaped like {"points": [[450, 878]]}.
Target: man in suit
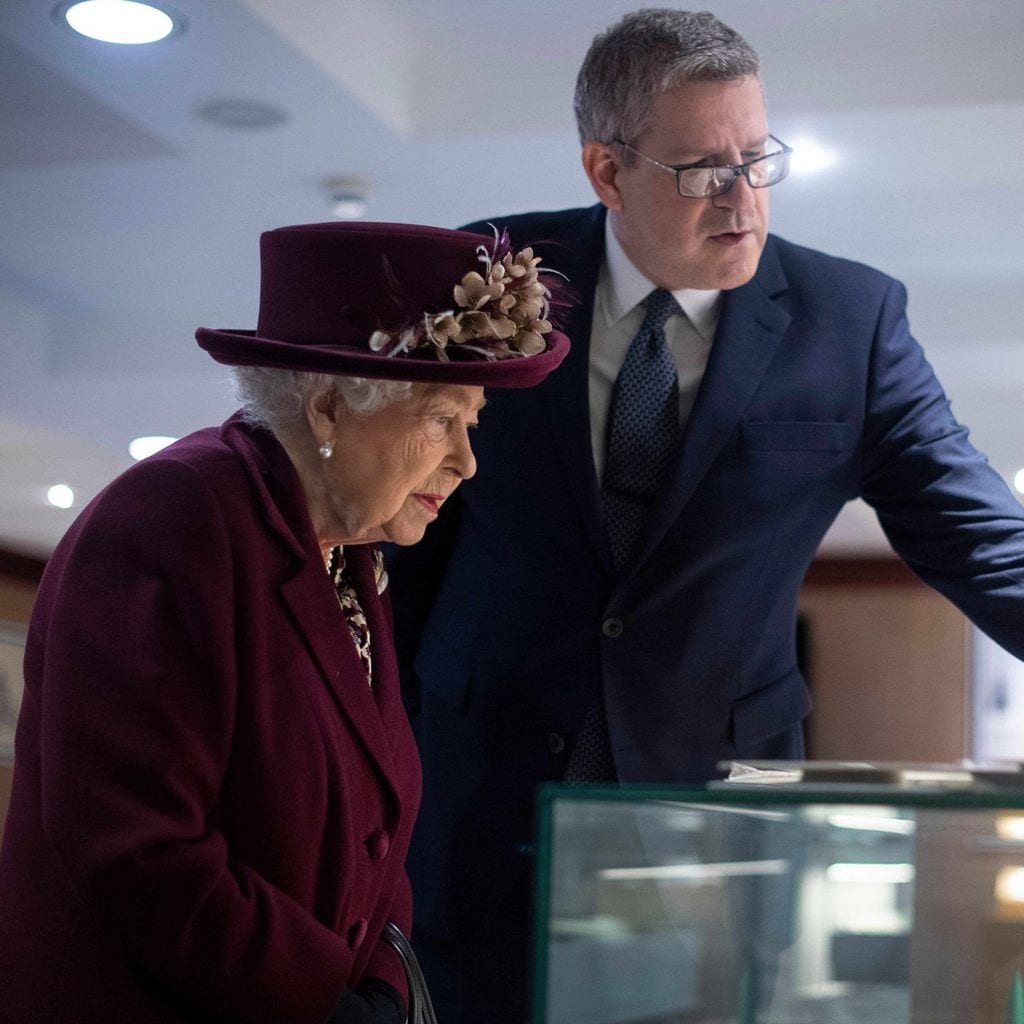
{"points": [[797, 387]]}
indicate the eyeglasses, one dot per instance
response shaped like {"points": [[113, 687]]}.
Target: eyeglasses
{"points": [[698, 181]]}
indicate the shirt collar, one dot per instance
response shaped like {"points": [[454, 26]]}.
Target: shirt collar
{"points": [[626, 288]]}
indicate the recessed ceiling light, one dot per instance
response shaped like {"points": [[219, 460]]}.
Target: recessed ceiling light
{"points": [[347, 197], [141, 447], [347, 207], [119, 21], [245, 115], [60, 496]]}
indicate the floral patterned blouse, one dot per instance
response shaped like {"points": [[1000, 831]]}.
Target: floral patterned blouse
{"points": [[355, 618]]}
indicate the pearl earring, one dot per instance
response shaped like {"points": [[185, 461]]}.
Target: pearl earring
{"points": [[326, 449]]}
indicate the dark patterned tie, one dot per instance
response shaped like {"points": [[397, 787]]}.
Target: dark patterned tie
{"points": [[643, 428], [643, 434]]}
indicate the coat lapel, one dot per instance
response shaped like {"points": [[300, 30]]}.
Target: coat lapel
{"points": [[315, 611], [308, 592], [750, 328]]}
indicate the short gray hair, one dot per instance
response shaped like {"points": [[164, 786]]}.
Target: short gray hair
{"points": [[645, 54], [275, 398]]}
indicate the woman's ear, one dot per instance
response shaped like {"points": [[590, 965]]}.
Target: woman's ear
{"points": [[322, 412], [602, 168]]}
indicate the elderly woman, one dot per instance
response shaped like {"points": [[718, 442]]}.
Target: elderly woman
{"points": [[215, 782]]}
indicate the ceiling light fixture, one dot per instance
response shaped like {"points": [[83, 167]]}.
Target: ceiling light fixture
{"points": [[241, 114], [127, 22], [1018, 481], [346, 197], [142, 447], [60, 496]]}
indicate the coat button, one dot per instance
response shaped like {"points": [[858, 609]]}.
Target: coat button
{"points": [[556, 742], [612, 628], [357, 933], [377, 844]]}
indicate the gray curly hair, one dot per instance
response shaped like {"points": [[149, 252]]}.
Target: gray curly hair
{"points": [[644, 54], [275, 398]]}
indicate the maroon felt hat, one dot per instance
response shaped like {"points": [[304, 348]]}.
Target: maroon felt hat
{"points": [[400, 302]]}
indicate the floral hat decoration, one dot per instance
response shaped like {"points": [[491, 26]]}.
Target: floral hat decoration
{"points": [[401, 302]]}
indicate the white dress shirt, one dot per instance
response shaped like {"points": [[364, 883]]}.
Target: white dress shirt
{"points": [[618, 314]]}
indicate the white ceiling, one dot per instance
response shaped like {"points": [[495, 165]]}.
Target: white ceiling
{"points": [[126, 221]]}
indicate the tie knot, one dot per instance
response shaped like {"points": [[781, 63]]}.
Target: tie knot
{"points": [[660, 305]]}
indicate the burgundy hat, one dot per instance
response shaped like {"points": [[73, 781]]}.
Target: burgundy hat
{"points": [[400, 302]]}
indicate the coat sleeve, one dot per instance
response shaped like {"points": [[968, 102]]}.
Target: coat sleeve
{"points": [[139, 690], [945, 510]]}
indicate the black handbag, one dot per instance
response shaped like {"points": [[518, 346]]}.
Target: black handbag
{"points": [[421, 1010]]}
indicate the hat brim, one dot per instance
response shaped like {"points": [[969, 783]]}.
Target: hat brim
{"points": [[246, 348]]}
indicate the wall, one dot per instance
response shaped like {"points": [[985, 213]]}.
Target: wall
{"points": [[16, 599], [887, 660]]}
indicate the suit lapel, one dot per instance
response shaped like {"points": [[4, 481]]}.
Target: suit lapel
{"points": [[578, 253], [751, 326]]}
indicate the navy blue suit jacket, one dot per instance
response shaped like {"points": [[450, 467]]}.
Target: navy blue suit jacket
{"points": [[510, 613]]}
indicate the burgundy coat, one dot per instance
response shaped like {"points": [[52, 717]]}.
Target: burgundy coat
{"points": [[211, 807]]}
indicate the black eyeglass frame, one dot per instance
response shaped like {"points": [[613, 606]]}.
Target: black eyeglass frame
{"points": [[737, 169]]}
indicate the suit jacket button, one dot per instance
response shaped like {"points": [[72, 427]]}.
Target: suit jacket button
{"points": [[556, 743], [357, 933], [612, 628]]}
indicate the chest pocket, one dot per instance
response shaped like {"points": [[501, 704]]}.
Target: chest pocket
{"points": [[796, 436]]}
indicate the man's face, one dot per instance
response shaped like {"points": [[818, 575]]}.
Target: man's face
{"points": [[680, 242]]}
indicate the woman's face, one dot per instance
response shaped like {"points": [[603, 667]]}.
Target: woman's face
{"points": [[393, 469]]}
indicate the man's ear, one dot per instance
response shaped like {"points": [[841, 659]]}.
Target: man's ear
{"points": [[602, 168]]}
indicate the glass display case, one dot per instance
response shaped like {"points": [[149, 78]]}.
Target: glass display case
{"points": [[876, 902]]}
